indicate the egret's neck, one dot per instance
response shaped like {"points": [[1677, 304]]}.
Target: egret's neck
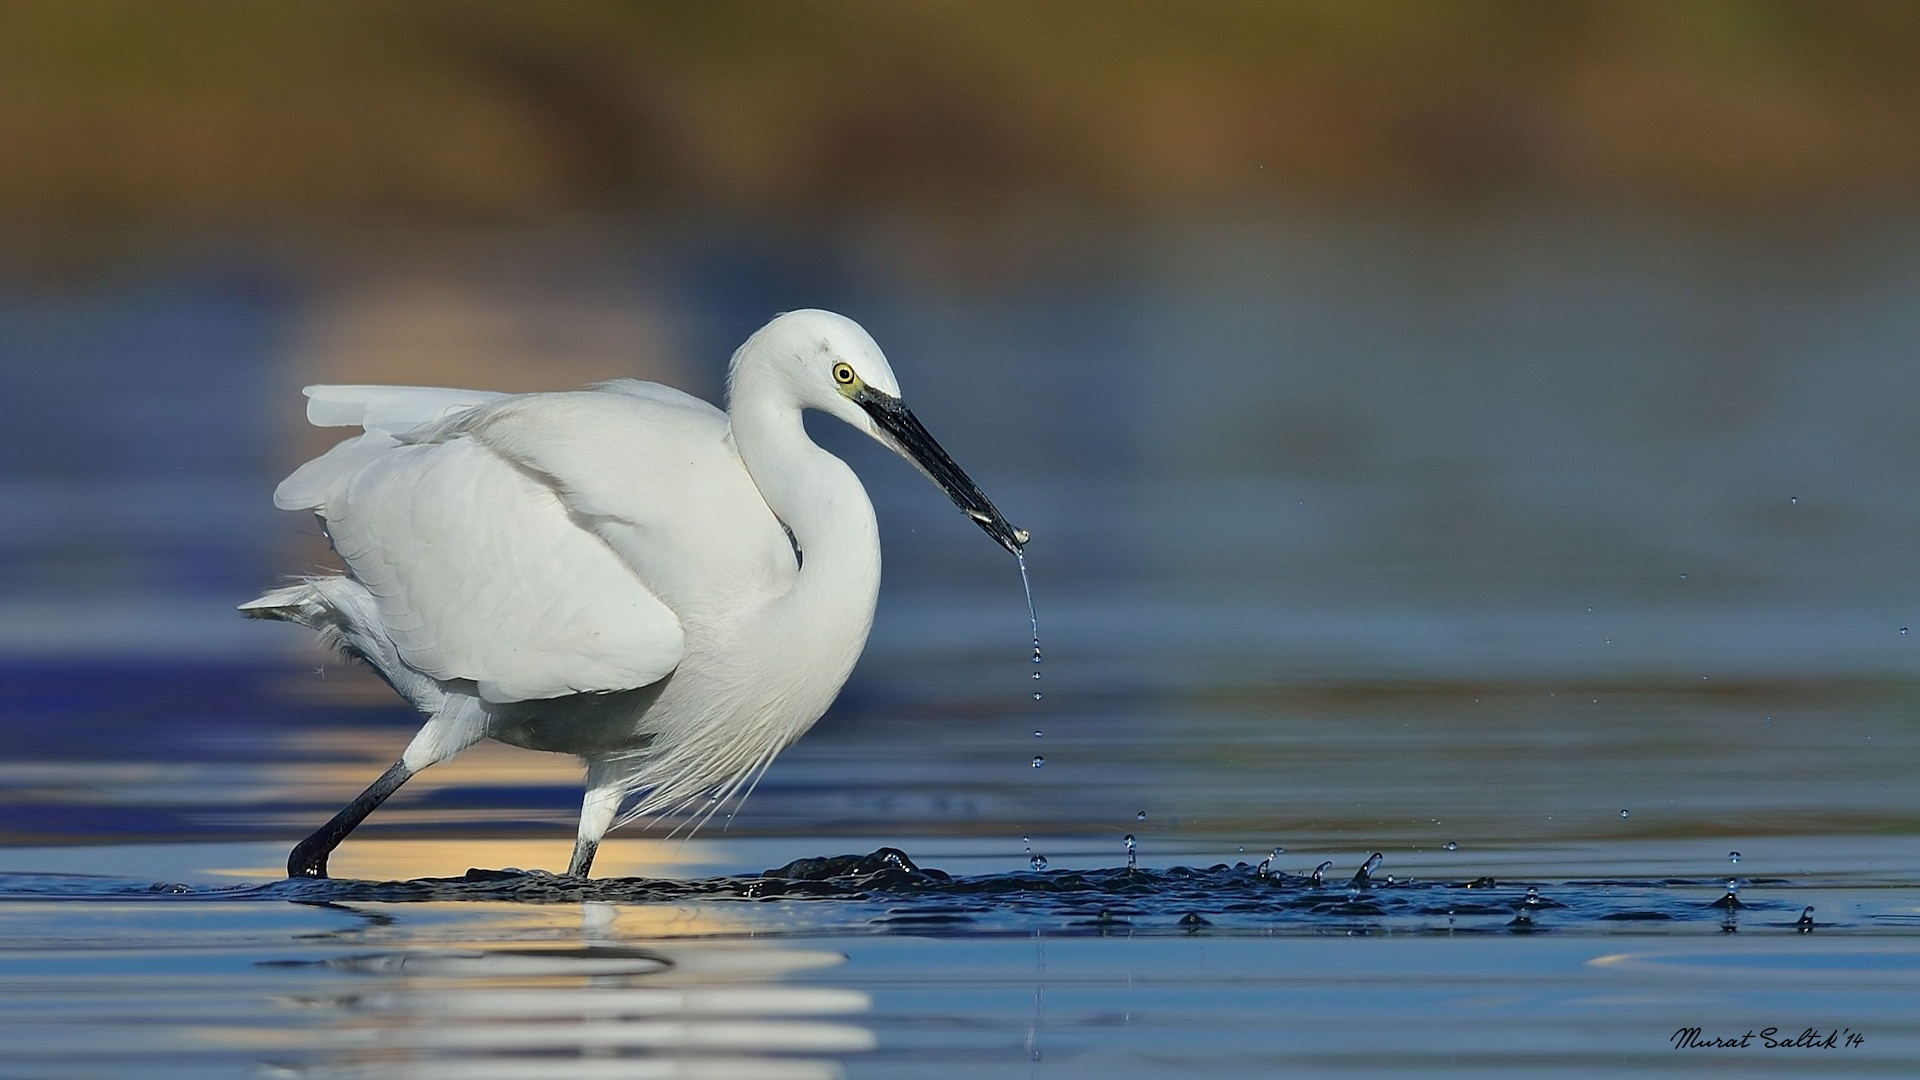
{"points": [[831, 604]]}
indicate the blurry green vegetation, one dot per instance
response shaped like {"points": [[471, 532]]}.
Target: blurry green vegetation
{"points": [[164, 110]]}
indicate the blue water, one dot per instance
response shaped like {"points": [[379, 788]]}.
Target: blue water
{"points": [[1444, 535]]}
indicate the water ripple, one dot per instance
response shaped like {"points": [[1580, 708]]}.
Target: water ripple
{"points": [[887, 892]]}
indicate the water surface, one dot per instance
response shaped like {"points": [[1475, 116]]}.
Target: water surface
{"points": [[1543, 549]]}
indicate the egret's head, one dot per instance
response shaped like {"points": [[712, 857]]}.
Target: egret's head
{"points": [[830, 363]]}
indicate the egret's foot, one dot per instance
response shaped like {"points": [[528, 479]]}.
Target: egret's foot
{"points": [[308, 859]]}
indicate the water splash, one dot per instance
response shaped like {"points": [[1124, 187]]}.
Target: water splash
{"points": [[1132, 858], [1265, 869], [887, 892], [1363, 878], [1320, 872]]}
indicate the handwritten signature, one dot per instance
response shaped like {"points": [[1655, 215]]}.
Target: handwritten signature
{"points": [[1691, 1038]]}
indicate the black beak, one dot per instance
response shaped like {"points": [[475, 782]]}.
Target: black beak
{"points": [[899, 422]]}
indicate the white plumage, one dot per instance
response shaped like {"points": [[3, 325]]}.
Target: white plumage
{"points": [[624, 573]]}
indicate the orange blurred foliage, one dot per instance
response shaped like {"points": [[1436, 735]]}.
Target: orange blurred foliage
{"points": [[471, 108]]}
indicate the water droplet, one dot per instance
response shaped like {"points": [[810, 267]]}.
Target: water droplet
{"points": [[1038, 862], [1683, 577], [1033, 616], [1733, 856], [1533, 897], [1624, 813], [1038, 761], [1036, 676], [1038, 733], [1794, 499], [1452, 846], [1141, 816]]}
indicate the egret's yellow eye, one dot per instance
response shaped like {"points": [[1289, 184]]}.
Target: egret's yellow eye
{"points": [[843, 374]]}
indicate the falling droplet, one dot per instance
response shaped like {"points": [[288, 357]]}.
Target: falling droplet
{"points": [[1533, 896], [1683, 577], [1452, 846], [1130, 851], [1038, 761], [1141, 816], [1794, 499], [1733, 856], [1624, 813], [1320, 871], [1033, 615], [1036, 676], [1038, 862]]}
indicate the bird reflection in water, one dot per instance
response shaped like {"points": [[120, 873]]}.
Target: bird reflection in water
{"points": [[605, 1008]]}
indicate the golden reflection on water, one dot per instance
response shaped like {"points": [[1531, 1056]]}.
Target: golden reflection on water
{"points": [[399, 860]]}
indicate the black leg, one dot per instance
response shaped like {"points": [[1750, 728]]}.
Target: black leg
{"points": [[309, 858], [583, 853]]}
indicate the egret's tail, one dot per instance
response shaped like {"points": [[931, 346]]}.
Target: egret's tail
{"points": [[295, 604], [342, 612]]}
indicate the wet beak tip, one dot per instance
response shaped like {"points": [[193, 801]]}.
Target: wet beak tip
{"points": [[1021, 536]]}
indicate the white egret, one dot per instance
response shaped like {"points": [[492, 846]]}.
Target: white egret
{"points": [[624, 573]]}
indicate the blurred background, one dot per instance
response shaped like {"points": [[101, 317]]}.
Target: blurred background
{"points": [[1472, 412]]}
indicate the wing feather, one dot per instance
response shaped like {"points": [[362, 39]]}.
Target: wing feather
{"points": [[654, 474], [479, 573], [542, 544]]}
